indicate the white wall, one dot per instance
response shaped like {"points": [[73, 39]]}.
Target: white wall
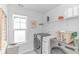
{"points": [[69, 25], [14, 9]]}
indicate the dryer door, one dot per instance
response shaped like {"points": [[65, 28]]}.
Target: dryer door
{"points": [[36, 43], [57, 50]]}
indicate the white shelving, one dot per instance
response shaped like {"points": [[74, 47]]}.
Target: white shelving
{"points": [[66, 19], [69, 14]]}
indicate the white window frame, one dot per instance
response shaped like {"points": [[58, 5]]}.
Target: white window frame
{"points": [[19, 29]]}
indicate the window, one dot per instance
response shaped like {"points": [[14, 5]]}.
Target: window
{"points": [[20, 28]]}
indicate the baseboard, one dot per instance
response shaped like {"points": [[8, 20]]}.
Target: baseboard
{"points": [[26, 51]]}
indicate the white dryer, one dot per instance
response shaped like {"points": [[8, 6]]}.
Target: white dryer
{"points": [[49, 48], [38, 41], [46, 45]]}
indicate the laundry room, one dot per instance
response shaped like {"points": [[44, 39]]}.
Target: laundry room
{"points": [[39, 28]]}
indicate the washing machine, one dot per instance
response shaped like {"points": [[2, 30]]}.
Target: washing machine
{"points": [[62, 48], [52, 46], [38, 41], [55, 47], [46, 44]]}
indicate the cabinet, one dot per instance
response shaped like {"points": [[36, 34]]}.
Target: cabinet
{"points": [[72, 12], [13, 49]]}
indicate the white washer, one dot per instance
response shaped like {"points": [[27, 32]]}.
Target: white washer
{"points": [[51, 46], [46, 45]]}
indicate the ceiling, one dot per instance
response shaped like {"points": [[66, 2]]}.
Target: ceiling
{"points": [[42, 8]]}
